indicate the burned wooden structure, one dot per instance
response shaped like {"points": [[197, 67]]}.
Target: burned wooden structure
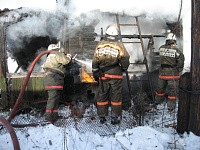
{"points": [[83, 44]]}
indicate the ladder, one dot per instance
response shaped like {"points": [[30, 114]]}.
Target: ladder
{"points": [[143, 50]]}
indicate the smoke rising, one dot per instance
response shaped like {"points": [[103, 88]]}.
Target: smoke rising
{"points": [[153, 8], [67, 16]]}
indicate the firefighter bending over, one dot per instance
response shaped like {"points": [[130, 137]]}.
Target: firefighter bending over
{"points": [[172, 63], [54, 80], [110, 60]]}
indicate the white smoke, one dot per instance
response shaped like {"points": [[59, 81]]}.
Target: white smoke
{"points": [[154, 15], [36, 4], [49, 21], [37, 23], [186, 15], [153, 8]]}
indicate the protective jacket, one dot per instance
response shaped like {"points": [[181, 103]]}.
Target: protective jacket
{"points": [[110, 53], [111, 58], [56, 61], [55, 70], [171, 60]]}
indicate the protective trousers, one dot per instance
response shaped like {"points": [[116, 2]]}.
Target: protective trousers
{"points": [[53, 83], [112, 92], [52, 105], [172, 91]]}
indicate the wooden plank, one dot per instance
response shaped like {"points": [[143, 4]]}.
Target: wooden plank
{"points": [[173, 125], [4, 97], [1, 108], [3, 65], [34, 90], [18, 75]]}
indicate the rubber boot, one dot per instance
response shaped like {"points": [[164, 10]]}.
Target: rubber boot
{"points": [[171, 104], [115, 120], [102, 120]]}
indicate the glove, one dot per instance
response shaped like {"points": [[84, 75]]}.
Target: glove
{"points": [[180, 69], [96, 75], [124, 69], [68, 55]]}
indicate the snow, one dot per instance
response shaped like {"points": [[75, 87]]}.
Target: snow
{"points": [[139, 138], [83, 136]]}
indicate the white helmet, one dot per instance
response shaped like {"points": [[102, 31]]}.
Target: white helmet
{"points": [[52, 47], [112, 30], [171, 36]]}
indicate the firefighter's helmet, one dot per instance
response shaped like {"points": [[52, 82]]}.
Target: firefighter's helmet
{"points": [[52, 47], [171, 36], [112, 30]]}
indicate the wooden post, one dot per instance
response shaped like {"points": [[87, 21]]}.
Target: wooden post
{"points": [[194, 114], [3, 66], [184, 101], [189, 95]]}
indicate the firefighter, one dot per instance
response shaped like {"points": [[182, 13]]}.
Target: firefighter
{"points": [[171, 66], [54, 80], [110, 60]]}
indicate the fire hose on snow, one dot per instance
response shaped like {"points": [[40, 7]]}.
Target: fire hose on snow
{"points": [[12, 133]]}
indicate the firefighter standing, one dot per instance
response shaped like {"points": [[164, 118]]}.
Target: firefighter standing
{"points": [[54, 80], [110, 60], [172, 63]]}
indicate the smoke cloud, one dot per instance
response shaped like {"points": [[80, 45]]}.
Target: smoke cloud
{"points": [[153, 8], [66, 17]]}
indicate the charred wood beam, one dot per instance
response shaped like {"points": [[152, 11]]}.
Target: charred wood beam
{"points": [[136, 36], [3, 66], [3, 48], [143, 36]]}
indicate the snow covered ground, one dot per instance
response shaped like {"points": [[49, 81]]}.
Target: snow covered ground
{"points": [[70, 137], [139, 138]]}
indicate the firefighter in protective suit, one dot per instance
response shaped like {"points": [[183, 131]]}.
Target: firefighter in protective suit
{"points": [[54, 80], [172, 63], [110, 60]]}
